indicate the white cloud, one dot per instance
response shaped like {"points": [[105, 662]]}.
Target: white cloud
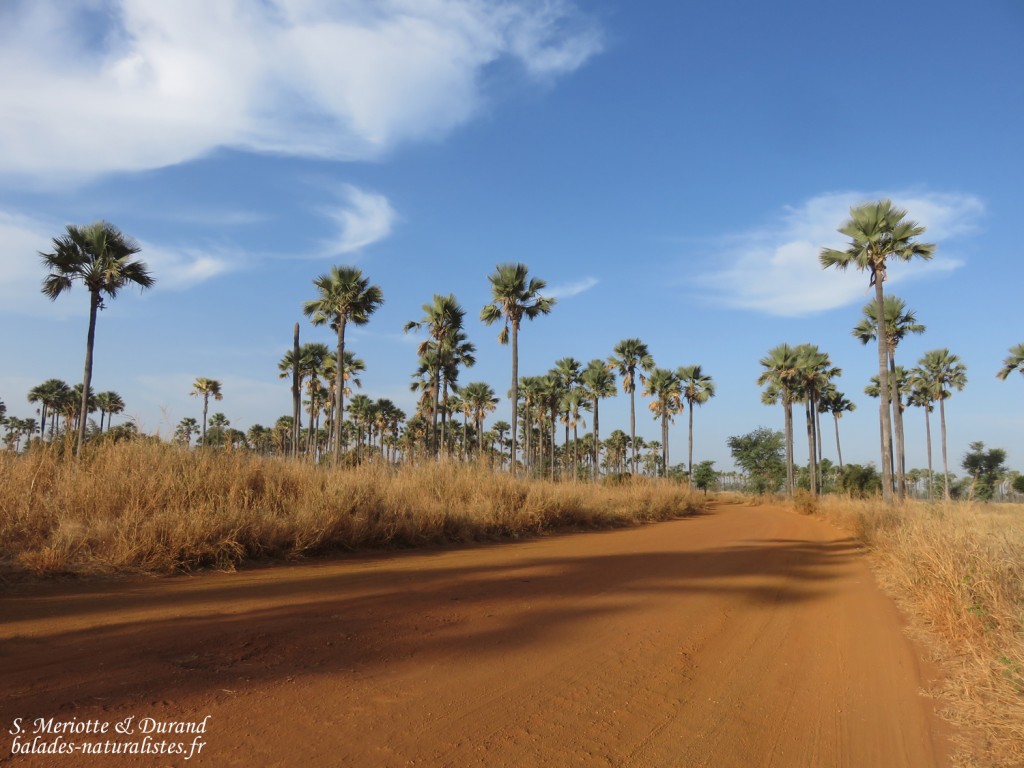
{"points": [[182, 268], [21, 273], [366, 219], [776, 270], [568, 290], [123, 85]]}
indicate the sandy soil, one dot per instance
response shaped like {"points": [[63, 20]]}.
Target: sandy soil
{"points": [[748, 636]]}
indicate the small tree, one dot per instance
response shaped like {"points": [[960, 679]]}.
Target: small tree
{"points": [[704, 475], [761, 453], [986, 468]]}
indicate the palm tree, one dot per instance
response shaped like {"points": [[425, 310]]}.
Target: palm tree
{"points": [[667, 390], [698, 388], [628, 355], [443, 320], [501, 427], [899, 321], [879, 231], [206, 388], [922, 396], [480, 400], [574, 401], [74, 407], [943, 370], [187, 428], [218, 430], [566, 377], [108, 404], [1015, 362], [781, 374], [100, 256], [51, 395], [835, 402], [598, 382], [345, 297], [814, 376], [513, 298]]}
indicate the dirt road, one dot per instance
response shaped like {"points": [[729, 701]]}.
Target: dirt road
{"points": [[743, 637]]}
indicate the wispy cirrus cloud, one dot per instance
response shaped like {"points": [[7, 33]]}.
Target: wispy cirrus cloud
{"points": [[568, 290], [153, 84], [365, 218], [776, 269]]}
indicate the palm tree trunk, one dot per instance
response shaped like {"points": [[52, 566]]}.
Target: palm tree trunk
{"points": [[596, 469], [689, 458], [945, 465], [839, 449], [632, 424], [515, 394], [296, 394], [664, 444], [883, 392], [787, 407], [896, 400], [206, 405], [90, 340], [817, 429], [575, 452], [811, 448], [928, 436], [339, 389]]}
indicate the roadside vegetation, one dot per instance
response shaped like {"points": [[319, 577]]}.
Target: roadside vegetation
{"points": [[957, 569], [147, 506]]}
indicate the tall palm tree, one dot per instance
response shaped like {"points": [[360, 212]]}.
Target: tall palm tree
{"points": [[899, 321], [186, 429], [878, 232], [52, 396], [206, 388], [814, 376], [574, 401], [835, 402], [598, 382], [698, 388], [666, 388], [480, 400], [944, 372], [1014, 362], [922, 396], [513, 297], [501, 427], [307, 367], [628, 355], [781, 375], [108, 404], [443, 321], [531, 389], [100, 256], [219, 424], [345, 297], [566, 375], [74, 407]]}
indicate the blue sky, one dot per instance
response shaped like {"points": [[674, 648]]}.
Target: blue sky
{"points": [[671, 169]]}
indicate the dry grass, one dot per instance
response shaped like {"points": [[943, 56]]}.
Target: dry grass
{"points": [[152, 507], [958, 570]]}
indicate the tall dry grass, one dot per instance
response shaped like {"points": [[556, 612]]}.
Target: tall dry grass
{"points": [[146, 506], [958, 570]]}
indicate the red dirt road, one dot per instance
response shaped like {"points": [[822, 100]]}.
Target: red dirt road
{"points": [[748, 636]]}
